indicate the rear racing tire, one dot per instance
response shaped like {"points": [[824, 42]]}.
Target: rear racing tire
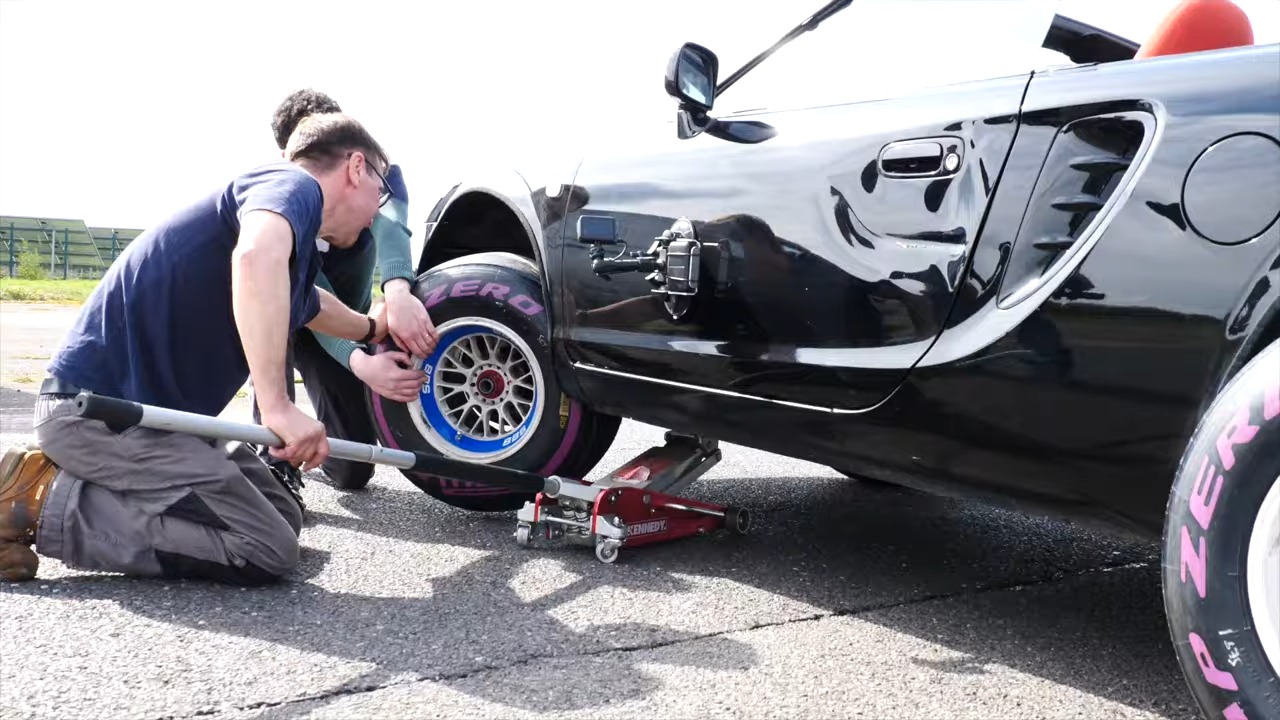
{"points": [[491, 394], [1221, 564]]}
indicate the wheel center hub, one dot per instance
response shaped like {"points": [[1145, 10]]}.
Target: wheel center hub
{"points": [[490, 384]]}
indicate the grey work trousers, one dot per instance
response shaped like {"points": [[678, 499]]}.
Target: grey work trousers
{"points": [[149, 503], [338, 398]]}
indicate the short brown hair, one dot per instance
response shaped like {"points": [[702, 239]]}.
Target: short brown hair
{"points": [[326, 140]]}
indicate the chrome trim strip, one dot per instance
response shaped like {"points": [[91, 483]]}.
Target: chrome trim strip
{"points": [[727, 393]]}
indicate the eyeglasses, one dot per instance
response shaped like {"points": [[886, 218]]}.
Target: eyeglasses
{"points": [[385, 193]]}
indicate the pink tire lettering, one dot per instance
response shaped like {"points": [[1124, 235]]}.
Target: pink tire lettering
{"points": [[1239, 432], [1224, 475], [1193, 562], [1204, 496], [1234, 713], [436, 297], [1219, 678], [495, 291], [465, 288]]}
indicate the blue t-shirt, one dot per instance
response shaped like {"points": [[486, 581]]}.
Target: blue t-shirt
{"points": [[159, 329]]}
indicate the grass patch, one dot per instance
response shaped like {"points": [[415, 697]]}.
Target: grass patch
{"points": [[58, 292], [66, 292]]}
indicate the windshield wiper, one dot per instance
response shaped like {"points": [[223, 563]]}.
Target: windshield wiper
{"points": [[813, 22]]}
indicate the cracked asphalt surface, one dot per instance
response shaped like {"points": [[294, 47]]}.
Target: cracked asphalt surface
{"points": [[845, 601]]}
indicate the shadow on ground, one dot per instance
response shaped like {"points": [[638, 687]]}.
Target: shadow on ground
{"points": [[998, 588]]}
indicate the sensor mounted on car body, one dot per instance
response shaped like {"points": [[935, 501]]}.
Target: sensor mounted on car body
{"points": [[673, 260]]}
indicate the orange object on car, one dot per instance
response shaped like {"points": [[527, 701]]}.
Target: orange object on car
{"points": [[1198, 25]]}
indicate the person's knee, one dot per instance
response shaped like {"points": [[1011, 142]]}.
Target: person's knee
{"points": [[262, 560], [292, 513], [250, 562], [277, 555]]}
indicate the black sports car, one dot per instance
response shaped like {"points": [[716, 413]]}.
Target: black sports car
{"points": [[1057, 289]]}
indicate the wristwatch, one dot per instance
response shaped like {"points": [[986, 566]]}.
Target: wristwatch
{"points": [[373, 330]]}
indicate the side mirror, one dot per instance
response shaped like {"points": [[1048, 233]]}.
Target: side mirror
{"points": [[691, 76]]}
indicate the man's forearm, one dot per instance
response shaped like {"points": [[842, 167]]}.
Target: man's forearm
{"points": [[338, 349], [338, 320], [260, 302], [391, 235]]}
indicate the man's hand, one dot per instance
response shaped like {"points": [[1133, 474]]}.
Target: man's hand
{"points": [[305, 443], [410, 325], [390, 374]]}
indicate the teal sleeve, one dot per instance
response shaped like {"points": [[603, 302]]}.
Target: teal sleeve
{"points": [[339, 349], [391, 235]]}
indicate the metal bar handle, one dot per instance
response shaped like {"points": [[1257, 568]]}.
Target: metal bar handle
{"points": [[119, 414]]}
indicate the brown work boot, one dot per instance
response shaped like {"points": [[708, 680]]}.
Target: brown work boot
{"points": [[25, 474]]}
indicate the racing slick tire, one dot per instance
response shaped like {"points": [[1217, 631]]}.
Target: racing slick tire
{"points": [[1221, 554], [491, 394]]}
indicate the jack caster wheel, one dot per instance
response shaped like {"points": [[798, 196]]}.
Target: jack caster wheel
{"points": [[738, 520], [606, 551], [523, 534]]}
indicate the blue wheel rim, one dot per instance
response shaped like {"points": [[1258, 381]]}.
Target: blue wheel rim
{"points": [[468, 414]]}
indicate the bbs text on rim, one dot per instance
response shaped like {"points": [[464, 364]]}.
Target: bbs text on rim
{"points": [[483, 393]]}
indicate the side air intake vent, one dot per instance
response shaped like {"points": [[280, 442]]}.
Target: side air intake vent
{"points": [[1088, 162], [1079, 204]]}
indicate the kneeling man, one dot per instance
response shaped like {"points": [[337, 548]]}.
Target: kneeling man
{"points": [[190, 310]]}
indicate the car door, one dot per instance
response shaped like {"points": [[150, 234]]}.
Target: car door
{"points": [[830, 253]]}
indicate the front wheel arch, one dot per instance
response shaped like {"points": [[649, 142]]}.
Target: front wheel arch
{"points": [[477, 222]]}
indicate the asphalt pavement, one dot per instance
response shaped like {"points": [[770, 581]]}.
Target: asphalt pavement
{"points": [[844, 601]]}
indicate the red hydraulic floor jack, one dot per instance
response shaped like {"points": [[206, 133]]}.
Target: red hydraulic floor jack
{"points": [[636, 504]]}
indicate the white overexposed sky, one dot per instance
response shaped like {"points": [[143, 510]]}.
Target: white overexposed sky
{"points": [[119, 111]]}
